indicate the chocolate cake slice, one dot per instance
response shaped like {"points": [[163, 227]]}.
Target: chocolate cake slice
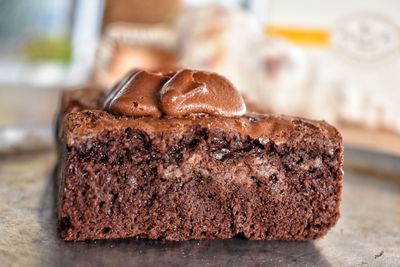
{"points": [[202, 174]]}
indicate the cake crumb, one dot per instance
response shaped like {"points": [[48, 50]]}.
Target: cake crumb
{"points": [[379, 254]]}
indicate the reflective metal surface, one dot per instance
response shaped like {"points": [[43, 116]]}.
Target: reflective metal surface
{"points": [[368, 233]]}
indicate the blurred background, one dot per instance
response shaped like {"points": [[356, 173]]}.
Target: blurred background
{"points": [[332, 60]]}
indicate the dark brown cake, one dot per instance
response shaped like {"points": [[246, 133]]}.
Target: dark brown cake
{"points": [[195, 177]]}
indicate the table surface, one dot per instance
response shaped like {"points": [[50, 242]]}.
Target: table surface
{"points": [[368, 232]]}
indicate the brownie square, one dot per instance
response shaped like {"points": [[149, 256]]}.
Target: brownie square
{"points": [[263, 177]]}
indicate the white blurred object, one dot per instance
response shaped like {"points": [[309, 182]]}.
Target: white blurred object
{"points": [[230, 42], [280, 76], [214, 37], [260, 9], [354, 51]]}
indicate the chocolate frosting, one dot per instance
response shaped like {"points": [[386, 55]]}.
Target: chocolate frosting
{"points": [[178, 94], [136, 94], [190, 91]]}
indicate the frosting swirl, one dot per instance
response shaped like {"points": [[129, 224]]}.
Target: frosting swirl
{"points": [[178, 94]]}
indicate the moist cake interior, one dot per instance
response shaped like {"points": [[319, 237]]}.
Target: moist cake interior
{"points": [[197, 182]]}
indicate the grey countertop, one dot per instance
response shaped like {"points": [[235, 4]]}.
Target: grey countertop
{"points": [[367, 234]]}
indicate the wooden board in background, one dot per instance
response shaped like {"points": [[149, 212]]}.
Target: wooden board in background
{"points": [[370, 139]]}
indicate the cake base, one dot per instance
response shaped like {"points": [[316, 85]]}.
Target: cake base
{"points": [[197, 178]]}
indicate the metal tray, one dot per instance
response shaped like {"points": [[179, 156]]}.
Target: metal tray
{"points": [[368, 232]]}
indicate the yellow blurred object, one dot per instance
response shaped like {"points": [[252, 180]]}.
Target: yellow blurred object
{"points": [[301, 36]]}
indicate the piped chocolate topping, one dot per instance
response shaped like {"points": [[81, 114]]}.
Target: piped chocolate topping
{"points": [[177, 94]]}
